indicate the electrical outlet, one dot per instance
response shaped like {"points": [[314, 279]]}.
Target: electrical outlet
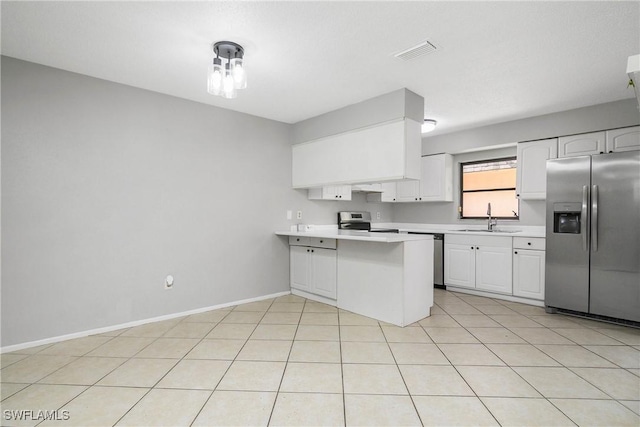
{"points": [[168, 282], [299, 215], [377, 215]]}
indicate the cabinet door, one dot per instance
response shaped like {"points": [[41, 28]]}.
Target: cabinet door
{"points": [[388, 192], [299, 267], [493, 269], [531, 174], [323, 272], [528, 274], [460, 265], [580, 145], [625, 139], [408, 191], [436, 182], [344, 192]]}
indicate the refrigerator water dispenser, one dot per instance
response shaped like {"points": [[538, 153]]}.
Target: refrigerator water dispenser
{"points": [[566, 218]]}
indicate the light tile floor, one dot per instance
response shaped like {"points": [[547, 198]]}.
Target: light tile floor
{"points": [[291, 361]]}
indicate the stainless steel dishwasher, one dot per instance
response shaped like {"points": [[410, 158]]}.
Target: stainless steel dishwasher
{"points": [[438, 258]]}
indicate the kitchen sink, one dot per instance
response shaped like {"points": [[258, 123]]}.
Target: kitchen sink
{"points": [[488, 231]]}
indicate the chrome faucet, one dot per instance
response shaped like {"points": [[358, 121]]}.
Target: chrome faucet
{"points": [[491, 222]]}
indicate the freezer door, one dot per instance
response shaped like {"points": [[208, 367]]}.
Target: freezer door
{"points": [[615, 249], [567, 232]]}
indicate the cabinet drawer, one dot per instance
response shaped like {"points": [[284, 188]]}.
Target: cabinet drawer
{"points": [[321, 242], [298, 241], [534, 243]]}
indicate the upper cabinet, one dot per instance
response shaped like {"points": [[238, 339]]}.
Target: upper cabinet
{"points": [[331, 192], [531, 173], [625, 139], [580, 145], [436, 181]]}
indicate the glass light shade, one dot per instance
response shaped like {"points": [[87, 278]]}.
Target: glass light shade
{"points": [[238, 72], [228, 84], [428, 125], [214, 77]]}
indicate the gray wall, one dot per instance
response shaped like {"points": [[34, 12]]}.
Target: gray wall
{"points": [[106, 189], [475, 144]]}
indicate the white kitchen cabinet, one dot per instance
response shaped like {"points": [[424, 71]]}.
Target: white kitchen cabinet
{"points": [[312, 266], [436, 180], [528, 267], [388, 193], [408, 191], [478, 262], [581, 145], [331, 192], [625, 139], [531, 173]]}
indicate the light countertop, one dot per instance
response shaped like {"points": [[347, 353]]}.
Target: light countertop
{"points": [[364, 236]]}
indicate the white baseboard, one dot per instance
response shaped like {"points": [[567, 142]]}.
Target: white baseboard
{"points": [[81, 334], [496, 296], [314, 297]]}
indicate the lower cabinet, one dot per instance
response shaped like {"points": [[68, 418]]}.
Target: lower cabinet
{"points": [[528, 267], [313, 265], [478, 262]]}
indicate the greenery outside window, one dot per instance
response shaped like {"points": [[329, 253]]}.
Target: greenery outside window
{"points": [[489, 181]]}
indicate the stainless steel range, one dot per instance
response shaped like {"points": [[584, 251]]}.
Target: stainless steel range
{"points": [[360, 221]]}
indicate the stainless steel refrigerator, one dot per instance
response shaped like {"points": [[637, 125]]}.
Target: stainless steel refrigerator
{"points": [[593, 235]]}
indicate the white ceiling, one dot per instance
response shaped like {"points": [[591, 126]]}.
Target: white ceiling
{"points": [[496, 61]]}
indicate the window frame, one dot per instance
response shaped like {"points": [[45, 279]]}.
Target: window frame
{"points": [[491, 160]]}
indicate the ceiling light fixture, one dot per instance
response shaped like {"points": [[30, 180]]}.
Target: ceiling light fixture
{"points": [[224, 81], [428, 125]]}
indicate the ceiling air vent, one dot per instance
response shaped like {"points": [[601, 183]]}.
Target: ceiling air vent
{"points": [[421, 49]]}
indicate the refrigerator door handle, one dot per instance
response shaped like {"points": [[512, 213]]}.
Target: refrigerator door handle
{"points": [[583, 214], [594, 218]]}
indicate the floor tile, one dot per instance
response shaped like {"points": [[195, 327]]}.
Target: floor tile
{"points": [[439, 321], [515, 321], [290, 298], [274, 332], [32, 350], [231, 331], [281, 318], [368, 410], [249, 317], [214, 316], [195, 374], [223, 349], [7, 359], [308, 409], [521, 355], [372, 379], [75, 347], [526, 309], [495, 335], [450, 335], [437, 411], [556, 321], [236, 408], [495, 309], [366, 352], [84, 371], [470, 354], [162, 407], [617, 383], [634, 405], [122, 347], [459, 308], [34, 368], [9, 389], [139, 373], [476, 300], [496, 381], [526, 412], [168, 348], [434, 381], [586, 336], [623, 356], [311, 318], [38, 397], [406, 334], [257, 306], [475, 321], [604, 413], [418, 354], [265, 350], [189, 330], [287, 307], [315, 351], [99, 406], [629, 336], [575, 356], [154, 329], [317, 333], [317, 307], [351, 319], [312, 378], [540, 336], [559, 383], [361, 333], [253, 376]]}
